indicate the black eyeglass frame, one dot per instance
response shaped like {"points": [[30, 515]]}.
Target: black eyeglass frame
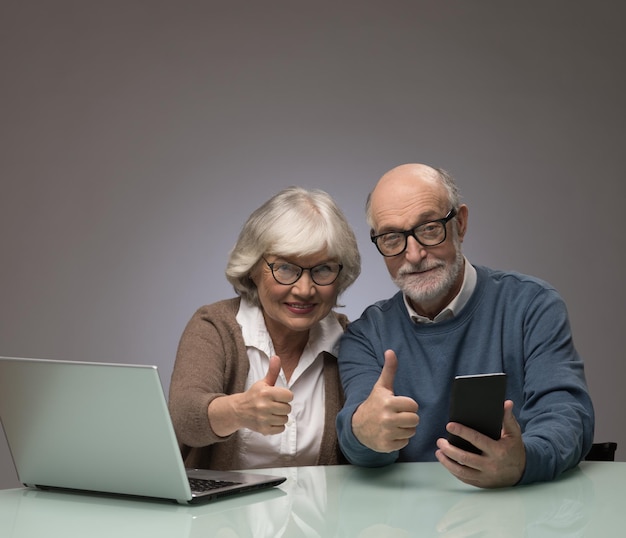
{"points": [[411, 233], [302, 270]]}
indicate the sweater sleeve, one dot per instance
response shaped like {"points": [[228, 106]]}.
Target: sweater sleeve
{"points": [[361, 359], [205, 368], [556, 414]]}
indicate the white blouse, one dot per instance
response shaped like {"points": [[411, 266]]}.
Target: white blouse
{"points": [[299, 443]]}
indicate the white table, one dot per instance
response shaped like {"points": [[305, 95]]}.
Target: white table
{"points": [[405, 499]]}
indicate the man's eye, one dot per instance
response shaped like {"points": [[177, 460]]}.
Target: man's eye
{"points": [[390, 239]]}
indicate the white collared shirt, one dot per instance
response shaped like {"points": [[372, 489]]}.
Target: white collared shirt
{"points": [[455, 306], [299, 444]]}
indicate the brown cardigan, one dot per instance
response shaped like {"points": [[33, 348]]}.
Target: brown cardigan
{"points": [[212, 361]]}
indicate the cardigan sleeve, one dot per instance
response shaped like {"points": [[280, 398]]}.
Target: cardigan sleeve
{"points": [[209, 364]]}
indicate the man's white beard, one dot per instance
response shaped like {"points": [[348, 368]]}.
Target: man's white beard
{"points": [[432, 285]]}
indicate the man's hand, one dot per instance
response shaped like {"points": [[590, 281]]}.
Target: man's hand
{"points": [[501, 463], [385, 422], [263, 408]]}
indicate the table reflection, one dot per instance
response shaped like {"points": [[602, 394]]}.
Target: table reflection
{"points": [[393, 502], [429, 503]]}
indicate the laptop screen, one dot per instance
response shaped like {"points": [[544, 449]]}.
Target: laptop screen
{"points": [[94, 426]]}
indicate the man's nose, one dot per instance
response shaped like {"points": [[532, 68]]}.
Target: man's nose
{"points": [[414, 252]]}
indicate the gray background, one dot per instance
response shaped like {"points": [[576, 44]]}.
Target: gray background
{"points": [[137, 136]]}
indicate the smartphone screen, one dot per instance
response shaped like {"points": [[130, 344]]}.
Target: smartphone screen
{"points": [[477, 401]]}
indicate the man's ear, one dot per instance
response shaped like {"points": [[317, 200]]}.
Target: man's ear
{"points": [[461, 221]]}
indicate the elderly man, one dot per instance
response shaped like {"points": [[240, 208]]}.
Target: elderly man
{"points": [[397, 361]]}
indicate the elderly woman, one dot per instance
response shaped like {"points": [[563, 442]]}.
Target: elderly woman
{"points": [[255, 383]]}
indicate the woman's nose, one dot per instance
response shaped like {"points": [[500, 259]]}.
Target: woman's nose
{"points": [[305, 284]]}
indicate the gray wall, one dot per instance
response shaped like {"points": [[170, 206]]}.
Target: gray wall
{"points": [[136, 137]]}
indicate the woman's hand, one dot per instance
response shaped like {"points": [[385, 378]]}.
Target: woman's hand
{"points": [[263, 408]]}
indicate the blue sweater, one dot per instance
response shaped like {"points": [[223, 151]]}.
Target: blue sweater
{"points": [[512, 323]]}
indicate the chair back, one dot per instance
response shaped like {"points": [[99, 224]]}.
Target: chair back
{"points": [[602, 452]]}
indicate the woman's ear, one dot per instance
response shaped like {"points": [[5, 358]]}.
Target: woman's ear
{"points": [[253, 275]]}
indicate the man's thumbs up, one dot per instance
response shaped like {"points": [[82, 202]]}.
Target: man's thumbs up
{"points": [[388, 374], [385, 422]]}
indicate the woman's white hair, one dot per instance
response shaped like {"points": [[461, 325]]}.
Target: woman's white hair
{"points": [[295, 222]]}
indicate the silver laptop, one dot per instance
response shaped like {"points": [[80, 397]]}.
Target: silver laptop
{"points": [[102, 428]]}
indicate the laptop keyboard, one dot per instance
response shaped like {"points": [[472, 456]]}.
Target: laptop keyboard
{"points": [[201, 485]]}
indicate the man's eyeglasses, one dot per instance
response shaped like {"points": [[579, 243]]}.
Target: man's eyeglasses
{"points": [[287, 274], [428, 234]]}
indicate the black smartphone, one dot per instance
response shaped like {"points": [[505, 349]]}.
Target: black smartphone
{"points": [[477, 401]]}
